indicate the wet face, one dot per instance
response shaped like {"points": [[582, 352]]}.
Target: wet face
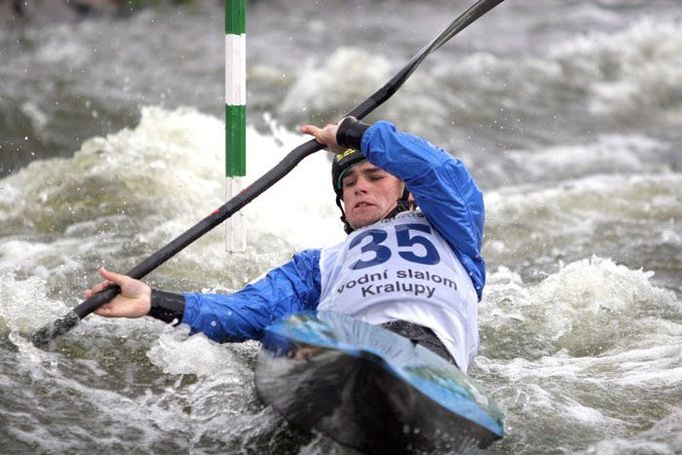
{"points": [[369, 194]]}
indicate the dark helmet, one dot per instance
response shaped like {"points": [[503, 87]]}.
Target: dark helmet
{"points": [[341, 163]]}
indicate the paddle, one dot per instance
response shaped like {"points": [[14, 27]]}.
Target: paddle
{"points": [[70, 320]]}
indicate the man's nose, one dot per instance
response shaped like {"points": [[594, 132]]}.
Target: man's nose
{"points": [[361, 185]]}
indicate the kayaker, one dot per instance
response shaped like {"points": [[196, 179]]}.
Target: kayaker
{"points": [[411, 262]]}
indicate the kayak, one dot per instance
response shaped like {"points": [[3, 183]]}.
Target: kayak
{"points": [[371, 389]]}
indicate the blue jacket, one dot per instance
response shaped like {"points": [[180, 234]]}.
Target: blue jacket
{"points": [[444, 191]]}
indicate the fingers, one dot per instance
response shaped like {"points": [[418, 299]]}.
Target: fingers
{"points": [[117, 308], [113, 277], [104, 310], [97, 288], [310, 129], [109, 279], [316, 132], [325, 136]]}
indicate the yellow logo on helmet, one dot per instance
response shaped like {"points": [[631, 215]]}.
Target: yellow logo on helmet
{"points": [[340, 156]]}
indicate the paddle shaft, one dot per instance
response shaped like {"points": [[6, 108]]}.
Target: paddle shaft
{"points": [[70, 320]]}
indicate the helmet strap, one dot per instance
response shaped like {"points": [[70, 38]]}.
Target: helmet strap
{"points": [[346, 225], [402, 205]]}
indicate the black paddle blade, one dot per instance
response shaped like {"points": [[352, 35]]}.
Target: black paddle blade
{"points": [[62, 325], [51, 331]]}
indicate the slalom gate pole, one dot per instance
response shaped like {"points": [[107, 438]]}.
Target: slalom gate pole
{"points": [[235, 117]]}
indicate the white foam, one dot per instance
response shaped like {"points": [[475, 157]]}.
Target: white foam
{"points": [[630, 70], [588, 308], [610, 154], [531, 224], [347, 74], [175, 352], [16, 295]]}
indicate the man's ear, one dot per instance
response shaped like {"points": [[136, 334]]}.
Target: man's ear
{"points": [[412, 203]]}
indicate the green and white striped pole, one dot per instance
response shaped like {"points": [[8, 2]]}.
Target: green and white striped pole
{"points": [[235, 116]]}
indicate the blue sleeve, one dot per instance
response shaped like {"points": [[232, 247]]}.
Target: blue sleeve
{"points": [[292, 287], [442, 187]]}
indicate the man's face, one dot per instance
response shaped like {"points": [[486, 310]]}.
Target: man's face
{"points": [[369, 194]]}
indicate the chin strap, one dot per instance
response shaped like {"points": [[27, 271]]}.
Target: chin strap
{"points": [[403, 204], [346, 225]]}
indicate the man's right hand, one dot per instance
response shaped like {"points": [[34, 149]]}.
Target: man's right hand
{"points": [[134, 301]]}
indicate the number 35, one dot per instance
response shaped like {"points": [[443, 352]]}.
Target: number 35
{"points": [[406, 240]]}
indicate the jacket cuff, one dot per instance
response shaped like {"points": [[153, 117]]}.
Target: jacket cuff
{"points": [[350, 133], [167, 306]]}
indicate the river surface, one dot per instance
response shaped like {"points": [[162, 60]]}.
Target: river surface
{"points": [[568, 113]]}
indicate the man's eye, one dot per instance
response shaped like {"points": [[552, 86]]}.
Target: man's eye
{"points": [[348, 183]]}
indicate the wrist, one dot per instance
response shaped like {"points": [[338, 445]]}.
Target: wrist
{"points": [[166, 306], [349, 134]]}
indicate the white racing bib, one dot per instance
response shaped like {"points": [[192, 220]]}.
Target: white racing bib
{"points": [[402, 269]]}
